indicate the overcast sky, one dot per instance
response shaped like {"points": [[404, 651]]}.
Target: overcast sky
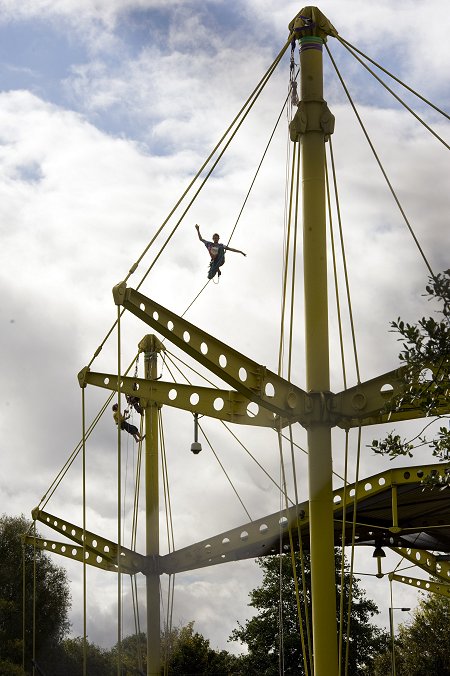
{"points": [[107, 110]]}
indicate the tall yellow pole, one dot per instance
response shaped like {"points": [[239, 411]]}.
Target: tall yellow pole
{"points": [[150, 345], [313, 121]]}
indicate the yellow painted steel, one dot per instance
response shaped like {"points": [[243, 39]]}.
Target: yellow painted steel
{"points": [[430, 563], [441, 588], [312, 148], [257, 537], [248, 377], [226, 405], [151, 346], [367, 403], [100, 552]]}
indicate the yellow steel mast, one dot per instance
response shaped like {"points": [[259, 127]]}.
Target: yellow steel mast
{"points": [[310, 127], [151, 346]]}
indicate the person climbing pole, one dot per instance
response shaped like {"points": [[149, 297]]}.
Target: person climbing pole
{"points": [[217, 252], [124, 425]]}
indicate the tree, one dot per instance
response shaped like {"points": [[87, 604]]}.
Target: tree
{"points": [[183, 652], [52, 597], [425, 356], [422, 647], [133, 654], [67, 658], [273, 635]]}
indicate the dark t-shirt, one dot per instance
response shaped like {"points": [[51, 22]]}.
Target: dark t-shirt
{"points": [[214, 249]]}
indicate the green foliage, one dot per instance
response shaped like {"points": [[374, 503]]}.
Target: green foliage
{"points": [[273, 634], [52, 597], [184, 652], [67, 658], [422, 647], [393, 446], [425, 358], [190, 653], [7, 668], [133, 652]]}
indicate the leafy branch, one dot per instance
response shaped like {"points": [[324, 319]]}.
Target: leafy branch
{"points": [[425, 358]]}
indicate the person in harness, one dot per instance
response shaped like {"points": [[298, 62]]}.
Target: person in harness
{"points": [[134, 401], [124, 425], [217, 252]]}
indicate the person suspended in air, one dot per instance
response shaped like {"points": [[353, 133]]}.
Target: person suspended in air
{"points": [[124, 425], [217, 252], [134, 401]]}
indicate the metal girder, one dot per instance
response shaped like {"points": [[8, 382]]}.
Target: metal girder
{"points": [[75, 552], [425, 560], [262, 537], [256, 538], [364, 404], [368, 403], [253, 381], [441, 588], [100, 552], [227, 405]]}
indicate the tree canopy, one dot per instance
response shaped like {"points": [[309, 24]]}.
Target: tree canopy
{"points": [[422, 646], [273, 634], [44, 581], [183, 652]]}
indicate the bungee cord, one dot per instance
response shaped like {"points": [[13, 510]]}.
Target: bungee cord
{"points": [[244, 113], [352, 556], [83, 471], [375, 154], [225, 472], [344, 266], [410, 110], [119, 497], [351, 47], [171, 358]]}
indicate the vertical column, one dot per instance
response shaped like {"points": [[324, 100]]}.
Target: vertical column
{"points": [[312, 144], [150, 346]]}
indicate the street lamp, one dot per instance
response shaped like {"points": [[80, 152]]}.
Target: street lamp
{"points": [[391, 626]]}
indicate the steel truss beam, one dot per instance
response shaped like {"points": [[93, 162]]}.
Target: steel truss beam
{"points": [[427, 561], [99, 551], [279, 401], [227, 405], [390, 527], [441, 588]]}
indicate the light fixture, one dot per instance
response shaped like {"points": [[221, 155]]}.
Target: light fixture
{"points": [[196, 447]]}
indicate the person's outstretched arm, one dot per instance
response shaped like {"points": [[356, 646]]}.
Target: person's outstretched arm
{"points": [[228, 248], [197, 227]]}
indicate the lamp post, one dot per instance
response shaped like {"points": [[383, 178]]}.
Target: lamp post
{"points": [[391, 626]]}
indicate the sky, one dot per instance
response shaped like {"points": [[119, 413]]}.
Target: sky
{"points": [[107, 110]]}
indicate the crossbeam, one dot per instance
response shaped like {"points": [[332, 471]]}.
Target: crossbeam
{"points": [[227, 405], [100, 552], [441, 588]]}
